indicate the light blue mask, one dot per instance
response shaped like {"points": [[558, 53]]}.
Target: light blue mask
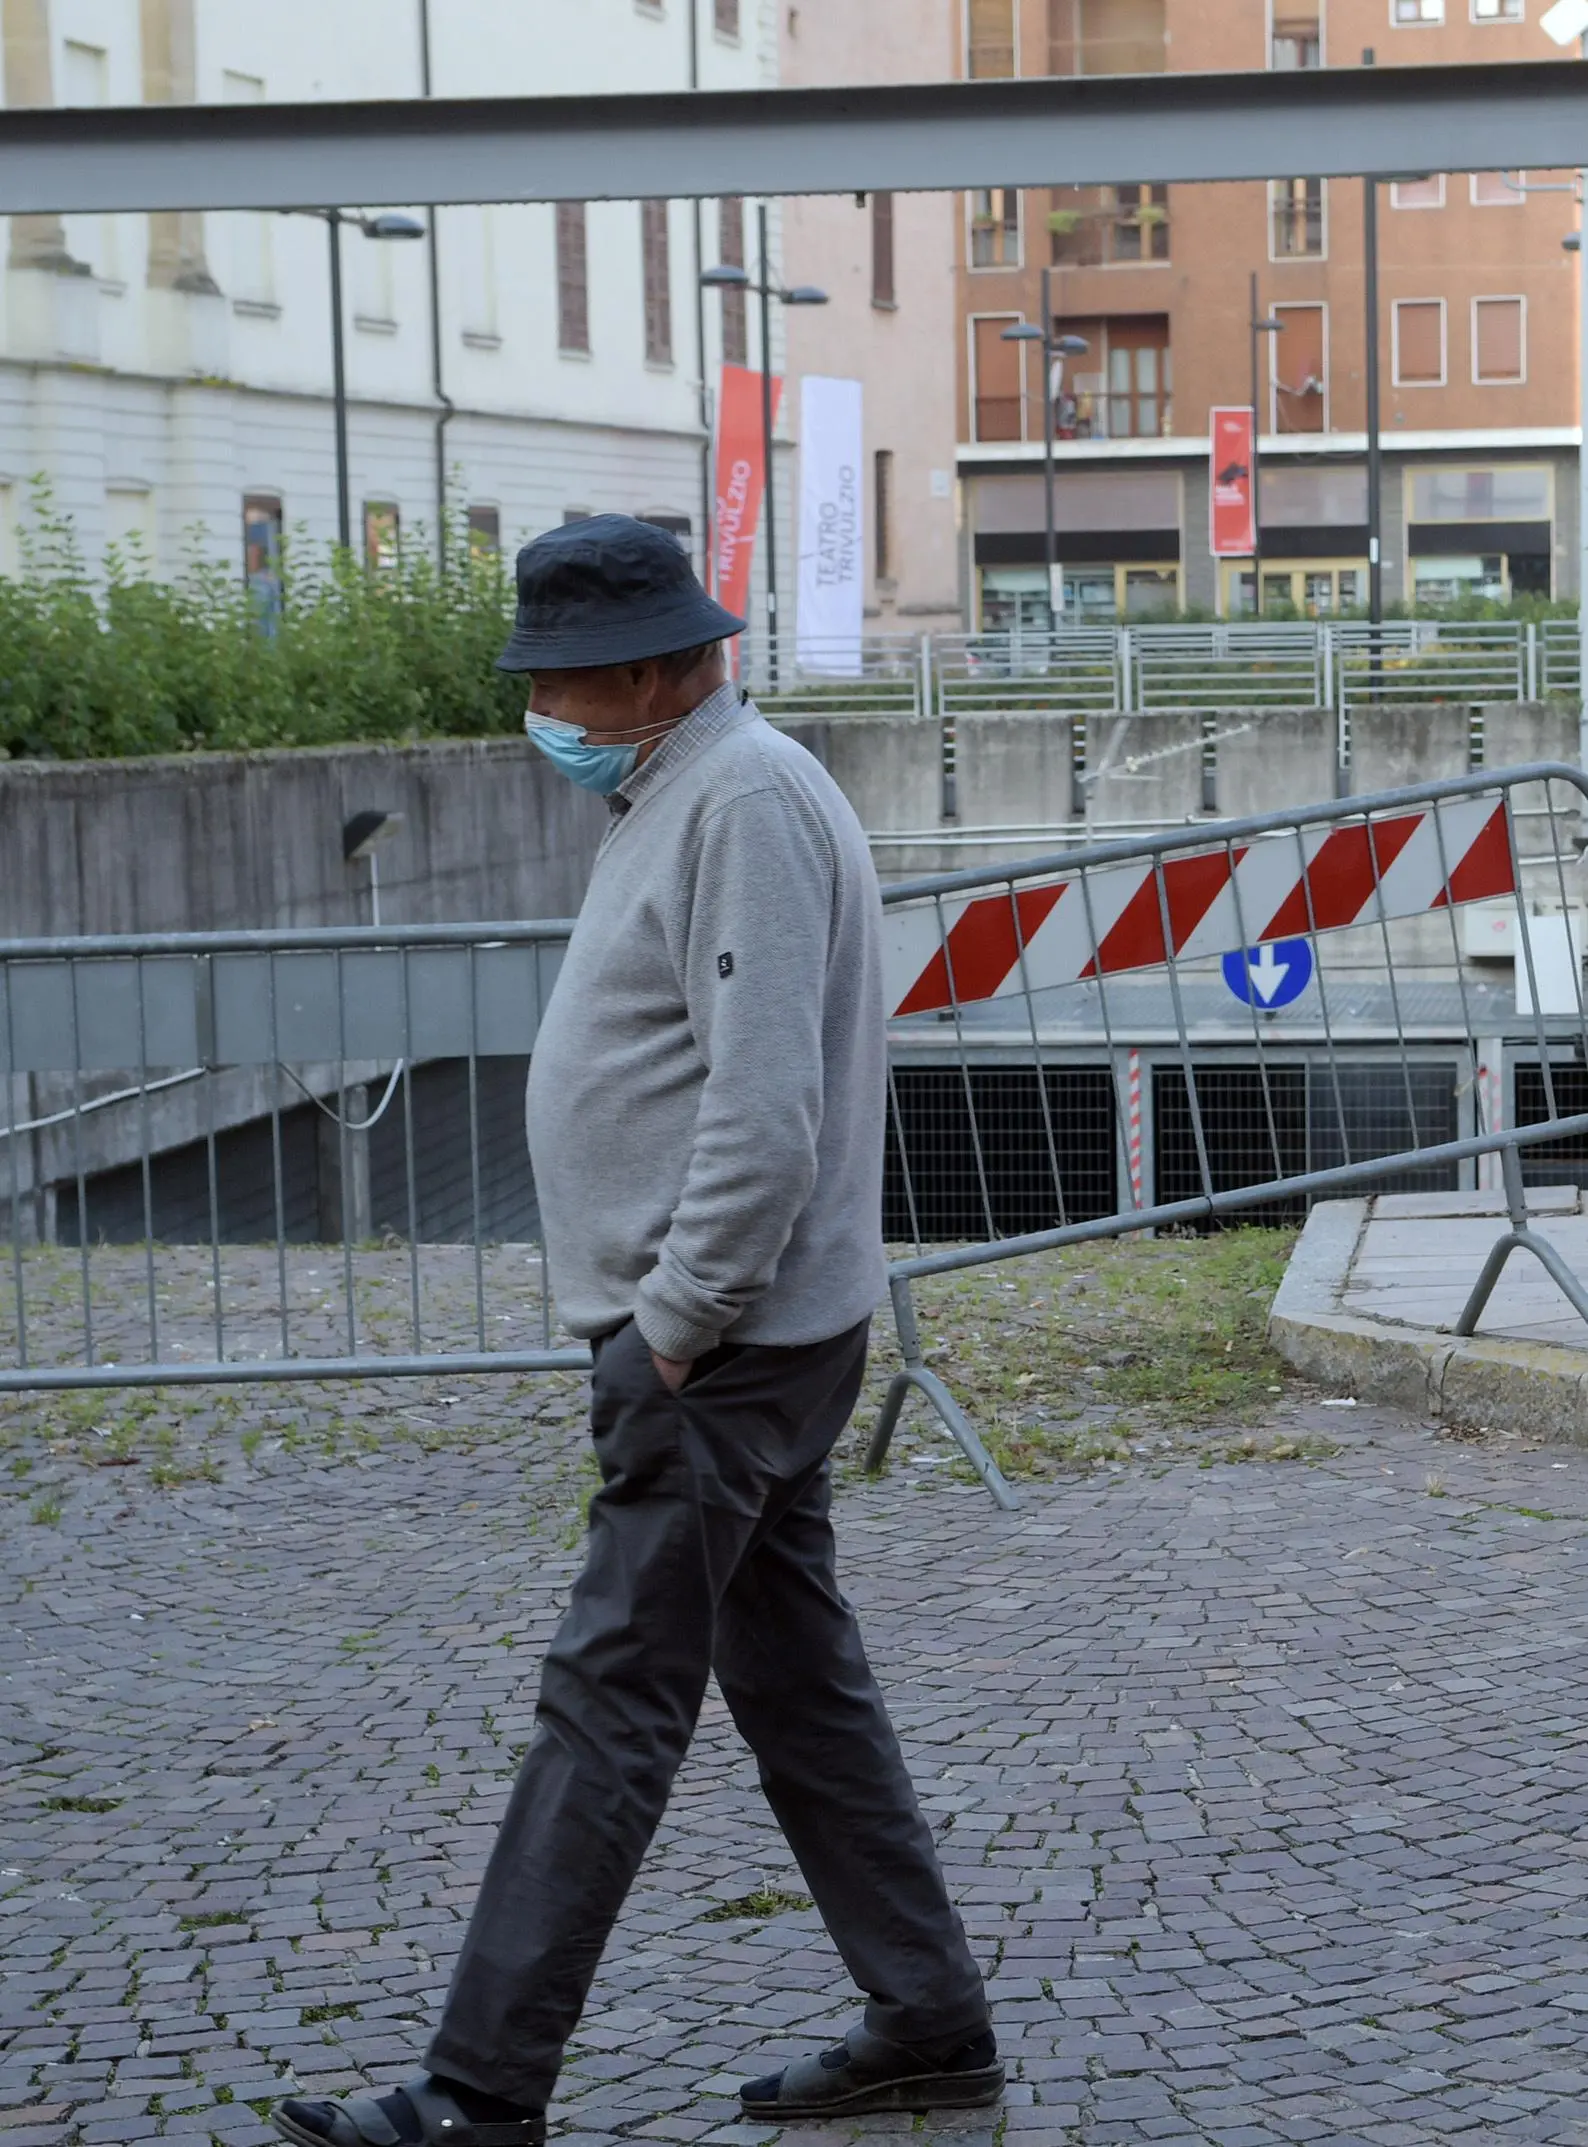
{"points": [[600, 768]]}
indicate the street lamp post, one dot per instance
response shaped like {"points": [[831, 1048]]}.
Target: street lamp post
{"points": [[1267, 325], [727, 277], [388, 225], [1055, 349], [1566, 23]]}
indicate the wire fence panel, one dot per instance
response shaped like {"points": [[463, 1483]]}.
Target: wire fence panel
{"points": [[1230, 1022], [874, 674], [1221, 665], [273, 1155], [1561, 667], [1432, 660], [1140, 667]]}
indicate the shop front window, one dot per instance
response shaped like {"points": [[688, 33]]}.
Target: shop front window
{"points": [[1459, 580]]}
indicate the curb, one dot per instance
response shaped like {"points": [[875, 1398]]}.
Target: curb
{"points": [[1531, 1387]]}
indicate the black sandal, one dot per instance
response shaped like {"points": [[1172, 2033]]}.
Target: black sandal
{"points": [[865, 2074], [361, 2122]]}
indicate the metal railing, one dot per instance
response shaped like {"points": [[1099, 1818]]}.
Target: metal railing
{"points": [[1143, 666], [300, 1155], [1290, 969], [330, 1199]]}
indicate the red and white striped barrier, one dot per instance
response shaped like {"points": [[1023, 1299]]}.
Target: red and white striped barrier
{"points": [[1143, 914]]}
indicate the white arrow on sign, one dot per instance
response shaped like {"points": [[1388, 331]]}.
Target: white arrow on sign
{"points": [[1268, 974]]}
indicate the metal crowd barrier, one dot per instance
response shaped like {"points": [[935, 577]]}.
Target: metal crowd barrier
{"points": [[1269, 961], [299, 1155], [340, 1190]]}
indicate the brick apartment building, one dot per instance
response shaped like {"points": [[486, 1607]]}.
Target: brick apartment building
{"points": [[1478, 313]]}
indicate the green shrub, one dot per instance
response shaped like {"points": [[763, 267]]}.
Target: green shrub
{"points": [[130, 664]]}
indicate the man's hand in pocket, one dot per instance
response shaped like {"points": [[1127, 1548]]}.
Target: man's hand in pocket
{"points": [[672, 1371]]}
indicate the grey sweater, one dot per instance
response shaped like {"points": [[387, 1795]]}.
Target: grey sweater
{"points": [[706, 1095]]}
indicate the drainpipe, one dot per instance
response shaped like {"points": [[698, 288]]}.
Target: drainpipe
{"points": [[708, 504], [446, 410]]}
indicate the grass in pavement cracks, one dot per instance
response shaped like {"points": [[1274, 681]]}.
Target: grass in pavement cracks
{"points": [[1113, 1352]]}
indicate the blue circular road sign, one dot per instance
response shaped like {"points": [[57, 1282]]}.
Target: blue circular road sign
{"points": [[1271, 976]]}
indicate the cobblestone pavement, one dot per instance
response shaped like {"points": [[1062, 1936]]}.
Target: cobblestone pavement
{"points": [[1263, 1787]]}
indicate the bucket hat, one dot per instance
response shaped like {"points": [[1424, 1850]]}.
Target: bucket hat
{"points": [[609, 589]]}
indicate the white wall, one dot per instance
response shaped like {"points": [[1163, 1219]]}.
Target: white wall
{"points": [[902, 355], [108, 386]]}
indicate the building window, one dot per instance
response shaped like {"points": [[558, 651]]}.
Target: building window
{"points": [[1415, 14], [1107, 37], [658, 283], [1296, 213], [1497, 189], [882, 290], [1131, 361], [1499, 341], [1296, 39], [1299, 392], [882, 512], [485, 533], [1419, 340], [573, 278], [1497, 10], [382, 533], [997, 403], [262, 527], [995, 227], [1427, 193], [990, 38], [735, 313], [725, 18], [1096, 226]]}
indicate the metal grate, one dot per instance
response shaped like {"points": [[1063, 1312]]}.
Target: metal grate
{"points": [[1254, 1126], [973, 1149], [1562, 1162]]}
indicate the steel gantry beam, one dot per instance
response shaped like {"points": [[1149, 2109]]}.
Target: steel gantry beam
{"points": [[907, 137]]}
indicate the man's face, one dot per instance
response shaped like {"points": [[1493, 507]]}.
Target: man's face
{"points": [[609, 704]]}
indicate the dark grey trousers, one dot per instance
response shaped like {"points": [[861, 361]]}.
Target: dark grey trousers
{"points": [[710, 1549]]}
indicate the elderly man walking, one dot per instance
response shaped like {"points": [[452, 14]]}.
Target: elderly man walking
{"points": [[705, 1119]]}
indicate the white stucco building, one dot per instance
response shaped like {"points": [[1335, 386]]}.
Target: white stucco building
{"points": [[887, 262], [171, 374]]}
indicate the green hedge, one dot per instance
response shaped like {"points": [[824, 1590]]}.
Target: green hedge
{"points": [[128, 665]]}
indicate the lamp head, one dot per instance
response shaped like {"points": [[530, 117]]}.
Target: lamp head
{"points": [[1071, 346], [804, 294], [389, 225], [364, 832], [1023, 334], [725, 278]]}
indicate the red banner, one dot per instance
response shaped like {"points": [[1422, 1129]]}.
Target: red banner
{"points": [[1233, 530], [741, 480]]}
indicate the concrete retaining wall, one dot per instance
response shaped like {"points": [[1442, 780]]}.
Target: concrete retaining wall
{"points": [[239, 841]]}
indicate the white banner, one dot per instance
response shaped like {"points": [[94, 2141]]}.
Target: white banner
{"points": [[832, 572]]}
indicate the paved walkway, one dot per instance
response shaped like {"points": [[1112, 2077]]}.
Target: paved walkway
{"points": [[1262, 1786], [1420, 1254]]}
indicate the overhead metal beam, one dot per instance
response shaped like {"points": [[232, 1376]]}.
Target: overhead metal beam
{"points": [[907, 137]]}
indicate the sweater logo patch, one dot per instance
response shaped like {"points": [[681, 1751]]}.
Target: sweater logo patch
{"points": [[725, 965]]}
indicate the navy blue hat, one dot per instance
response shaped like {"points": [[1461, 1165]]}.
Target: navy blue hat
{"points": [[608, 590]]}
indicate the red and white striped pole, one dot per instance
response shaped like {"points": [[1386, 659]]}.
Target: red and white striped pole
{"points": [[1134, 1137]]}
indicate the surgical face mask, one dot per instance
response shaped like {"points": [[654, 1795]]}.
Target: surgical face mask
{"points": [[601, 768]]}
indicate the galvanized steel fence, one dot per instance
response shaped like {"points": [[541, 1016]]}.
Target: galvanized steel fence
{"points": [[300, 1155], [265, 1155], [1132, 669], [1293, 969]]}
